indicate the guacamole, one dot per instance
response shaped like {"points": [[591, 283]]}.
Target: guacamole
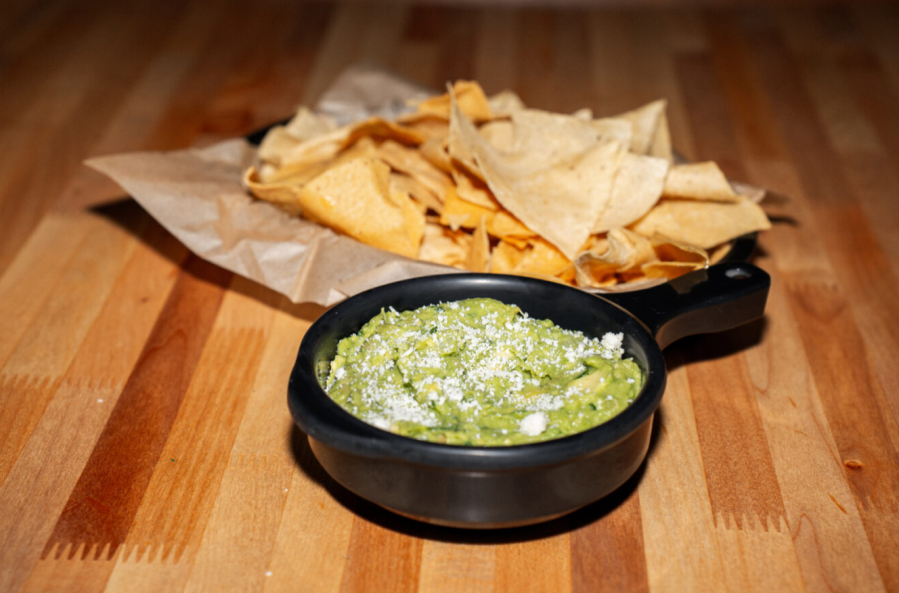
{"points": [[480, 372]]}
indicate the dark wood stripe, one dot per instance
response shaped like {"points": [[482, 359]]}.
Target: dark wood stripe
{"points": [[103, 504], [608, 555], [739, 470]]}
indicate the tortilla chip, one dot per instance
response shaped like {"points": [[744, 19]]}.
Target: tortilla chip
{"points": [[500, 133], [382, 129], [718, 253], [470, 98], [412, 163], [473, 190], [645, 121], [438, 246], [275, 145], [703, 223], [617, 128], [637, 188], [459, 213], [505, 257], [353, 198], [403, 183], [669, 269], [301, 173], [435, 151], [698, 181], [505, 103], [557, 180], [542, 258], [505, 226], [626, 251], [478, 259], [661, 142], [307, 124], [428, 126], [283, 195], [670, 250]]}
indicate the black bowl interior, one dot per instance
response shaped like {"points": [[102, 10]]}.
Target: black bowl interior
{"points": [[325, 421]]}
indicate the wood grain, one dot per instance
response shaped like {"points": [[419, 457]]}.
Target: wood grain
{"points": [[145, 444]]}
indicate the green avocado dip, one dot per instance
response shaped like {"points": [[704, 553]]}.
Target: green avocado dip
{"points": [[480, 372]]}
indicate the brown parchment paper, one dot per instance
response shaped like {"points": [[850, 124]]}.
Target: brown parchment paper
{"points": [[197, 195]]}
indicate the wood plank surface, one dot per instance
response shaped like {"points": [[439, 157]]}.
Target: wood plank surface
{"points": [[145, 444]]}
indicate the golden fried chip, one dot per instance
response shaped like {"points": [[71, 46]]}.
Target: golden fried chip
{"points": [[434, 150], [429, 127], [458, 213], [670, 250], [703, 223], [283, 195], [669, 269], [637, 188], [469, 96], [478, 259], [412, 163], [400, 182], [473, 190], [505, 226], [440, 247], [505, 257], [698, 181], [541, 258], [302, 172], [353, 198], [626, 251], [381, 129]]}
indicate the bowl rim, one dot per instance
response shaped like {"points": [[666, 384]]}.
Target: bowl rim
{"points": [[325, 421]]}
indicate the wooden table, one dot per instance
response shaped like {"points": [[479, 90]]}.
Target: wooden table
{"points": [[145, 444]]}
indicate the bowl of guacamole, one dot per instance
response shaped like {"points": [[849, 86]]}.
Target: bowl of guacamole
{"points": [[480, 372], [487, 401]]}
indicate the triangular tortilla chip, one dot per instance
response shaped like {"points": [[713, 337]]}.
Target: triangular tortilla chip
{"points": [[703, 223], [403, 183], [412, 163], [626, 251], [505, 257], [698, 181], [459, 213], [645, 121], [637, 188], [556, 180], [469, 96], [438, 246], [353, 198], [542, 258]]}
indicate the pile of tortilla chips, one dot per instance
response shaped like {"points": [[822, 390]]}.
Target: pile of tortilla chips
{"points": [[488, 185]]}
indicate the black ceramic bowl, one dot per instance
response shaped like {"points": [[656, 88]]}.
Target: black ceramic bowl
{"points": [[490, 487]]}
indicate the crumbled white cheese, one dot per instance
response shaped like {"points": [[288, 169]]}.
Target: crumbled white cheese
{"points": [[533, 424]]}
